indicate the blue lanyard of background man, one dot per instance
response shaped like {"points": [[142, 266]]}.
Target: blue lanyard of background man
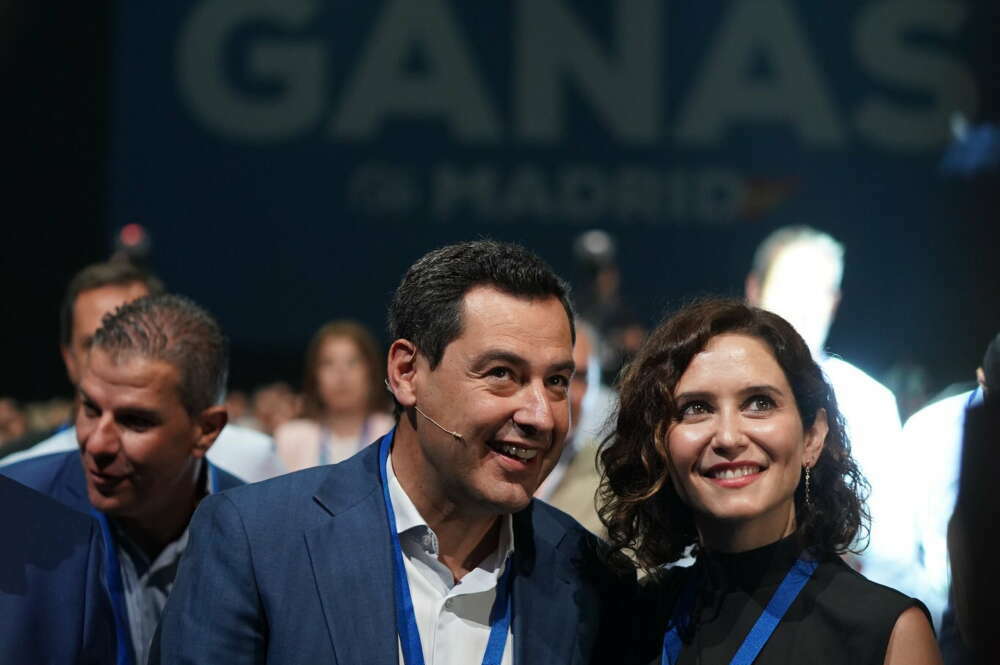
{"points": [[114, 584], [406, 621], [787, 591]]}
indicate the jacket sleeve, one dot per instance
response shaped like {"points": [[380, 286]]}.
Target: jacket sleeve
{"points": [[214, 614]]}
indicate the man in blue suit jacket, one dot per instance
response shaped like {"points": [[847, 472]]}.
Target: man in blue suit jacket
{"points": [[148, 412], [53, 604], [427, 547]]}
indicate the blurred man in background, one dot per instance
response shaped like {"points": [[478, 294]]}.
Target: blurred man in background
{"points": [[572, 484], [273, 405], [96, 291], [933, 438], [150, 393], [600, 302], [796, 274]]}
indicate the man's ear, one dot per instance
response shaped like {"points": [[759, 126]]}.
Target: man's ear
{"points": [[816, 438], [401, 369], [209, 423], [981, 378]]}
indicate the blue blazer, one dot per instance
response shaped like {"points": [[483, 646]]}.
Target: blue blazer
{"points": [[298, 569], [61, 476], [53, 604]]}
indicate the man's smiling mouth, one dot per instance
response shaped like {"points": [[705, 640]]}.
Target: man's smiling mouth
{"points": [[517, 452]]}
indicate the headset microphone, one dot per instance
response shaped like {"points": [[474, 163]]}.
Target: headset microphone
{"points": [[456, 435]]}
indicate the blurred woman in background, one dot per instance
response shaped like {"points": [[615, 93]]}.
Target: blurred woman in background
{"points": [[729, 447], [344, 404]]}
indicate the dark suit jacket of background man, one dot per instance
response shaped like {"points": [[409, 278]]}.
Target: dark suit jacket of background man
{"points": [[299, 569], [61, 476], [53, 604]]}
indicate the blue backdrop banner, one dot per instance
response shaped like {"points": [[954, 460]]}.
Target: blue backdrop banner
{"points": [[296, 155]]}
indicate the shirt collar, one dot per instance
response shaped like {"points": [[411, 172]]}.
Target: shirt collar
{"points": [[143, 565], [407, 515], [174, 549], [408, 518]]}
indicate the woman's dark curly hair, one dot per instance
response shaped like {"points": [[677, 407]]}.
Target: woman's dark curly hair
{"points": [[640, 507]]}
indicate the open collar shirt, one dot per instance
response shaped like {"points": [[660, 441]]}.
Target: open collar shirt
{"points": [[147, 583], [453, 617]]}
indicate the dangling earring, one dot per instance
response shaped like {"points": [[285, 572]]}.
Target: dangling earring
{"points": [[809, 501]]}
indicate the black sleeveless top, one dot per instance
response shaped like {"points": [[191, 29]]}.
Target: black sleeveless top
{"points": [[839, 617]]}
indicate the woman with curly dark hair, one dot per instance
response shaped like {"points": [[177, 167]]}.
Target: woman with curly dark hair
{"points": [[729, 447]]}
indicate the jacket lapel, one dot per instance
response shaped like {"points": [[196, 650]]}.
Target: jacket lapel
{"points": [[351, 560], [545, 617]]}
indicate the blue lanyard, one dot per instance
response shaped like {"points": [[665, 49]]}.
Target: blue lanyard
{"points": [[114, 584], [786, 593], [406, 622], [113, 573]]}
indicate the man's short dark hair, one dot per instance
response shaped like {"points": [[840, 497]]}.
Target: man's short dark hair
{"points": [[95, 276], [175, 330], [427, 306]]}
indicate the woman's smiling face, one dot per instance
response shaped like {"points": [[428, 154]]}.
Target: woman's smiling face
{"points": [[737, 445]]}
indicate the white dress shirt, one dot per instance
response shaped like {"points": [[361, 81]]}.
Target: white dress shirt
{"points": [[872, 421], [146, 586], [933, 438], [453, 617]]}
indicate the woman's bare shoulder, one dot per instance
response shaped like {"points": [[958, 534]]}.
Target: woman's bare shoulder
{"points": [[912, 641]]}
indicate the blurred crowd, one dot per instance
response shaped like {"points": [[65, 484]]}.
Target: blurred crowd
{"points": [[621, 330]]}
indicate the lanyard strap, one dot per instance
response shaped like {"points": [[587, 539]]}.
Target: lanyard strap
{"points": [[406, 622], [762, 629], [113, 581], [113, 576]]}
